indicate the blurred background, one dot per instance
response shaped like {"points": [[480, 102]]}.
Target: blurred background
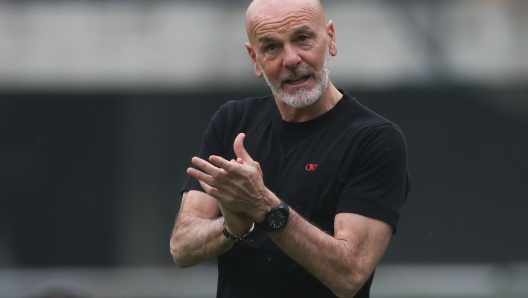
{"points": [[103, 104]]}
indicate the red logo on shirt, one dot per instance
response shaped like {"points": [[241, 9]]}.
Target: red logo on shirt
{"points": [[311, 167]]}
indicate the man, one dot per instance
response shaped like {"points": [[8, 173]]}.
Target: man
{"points": [[323, 177]]}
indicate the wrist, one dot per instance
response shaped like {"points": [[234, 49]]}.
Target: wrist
{"points": [[236, 237], [275, 218], [237, 223], [272, 202]]}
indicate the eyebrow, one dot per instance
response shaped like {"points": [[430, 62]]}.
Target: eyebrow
{"points": [[297, 31], [266, 39]]}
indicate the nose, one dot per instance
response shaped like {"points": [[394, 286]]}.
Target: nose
{"points": [[291, 57]]}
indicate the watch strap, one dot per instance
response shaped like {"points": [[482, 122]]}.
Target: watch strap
{"points": [[265, 225], [236, 237]]}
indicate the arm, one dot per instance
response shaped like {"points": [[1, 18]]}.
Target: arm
{"points": [[342, 262], [197, 235]]}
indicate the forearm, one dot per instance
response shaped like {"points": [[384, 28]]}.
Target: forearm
{"points": [[334, 262], [195, 240], [342, 262]]}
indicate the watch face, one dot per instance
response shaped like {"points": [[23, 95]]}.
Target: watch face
{"points": [[277, 219]]}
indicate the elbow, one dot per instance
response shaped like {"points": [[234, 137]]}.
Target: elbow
{"points": [[350, 285], [180, 262], [179, 257], [346, 291]]}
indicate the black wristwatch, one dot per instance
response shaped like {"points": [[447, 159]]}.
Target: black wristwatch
{"points": [[276, 218]]}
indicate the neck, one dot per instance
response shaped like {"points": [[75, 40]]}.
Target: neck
{"points": [[325, 103]]}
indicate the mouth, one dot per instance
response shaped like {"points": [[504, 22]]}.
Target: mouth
{"points": [[297, 81]]}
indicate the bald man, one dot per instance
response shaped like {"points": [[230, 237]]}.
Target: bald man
{"points": [[297, 194]]}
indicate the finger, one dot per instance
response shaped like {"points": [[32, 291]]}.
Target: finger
{"points": [[221, 163], [215, 193], [208, 167], [240, 151], [259, 168], [201, 176]]}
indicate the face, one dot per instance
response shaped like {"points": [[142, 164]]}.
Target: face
{"points": [[302, 96], [291, 48]]}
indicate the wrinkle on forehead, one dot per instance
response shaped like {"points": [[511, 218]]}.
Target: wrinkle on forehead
{"points": [[271, 15]]}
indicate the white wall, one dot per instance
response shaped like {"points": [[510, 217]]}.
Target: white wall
{"points": [[185, 46]]}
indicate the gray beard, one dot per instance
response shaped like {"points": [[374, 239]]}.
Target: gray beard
{"points": [[302, 97]]}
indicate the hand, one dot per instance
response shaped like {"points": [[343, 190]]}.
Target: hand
{"points": [[237, 223], [238, 185]]}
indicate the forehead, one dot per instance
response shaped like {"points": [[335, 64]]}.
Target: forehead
{"points": [[283, 20]]}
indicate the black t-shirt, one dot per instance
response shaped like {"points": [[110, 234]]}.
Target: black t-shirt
{"points": [[348, 160]]}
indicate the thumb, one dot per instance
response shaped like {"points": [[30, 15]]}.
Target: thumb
{"points": [[239, 149], [259, 168]]}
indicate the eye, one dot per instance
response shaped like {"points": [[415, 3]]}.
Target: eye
{"points": [[303, 38], [271, 48]]}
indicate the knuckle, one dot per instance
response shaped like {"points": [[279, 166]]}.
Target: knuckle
{"points": [[213, 182], [214, 172]]}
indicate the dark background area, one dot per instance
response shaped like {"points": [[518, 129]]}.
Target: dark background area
{"points": [[68, 163]]}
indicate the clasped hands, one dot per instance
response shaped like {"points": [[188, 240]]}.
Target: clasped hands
{"points": [[237, 185]]}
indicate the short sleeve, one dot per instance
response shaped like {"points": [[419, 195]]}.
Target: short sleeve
{"points": [[379, 181], [212, 144]]}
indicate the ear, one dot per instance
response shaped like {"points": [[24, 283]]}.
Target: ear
{"points": [[331, 33], [253, 56]]}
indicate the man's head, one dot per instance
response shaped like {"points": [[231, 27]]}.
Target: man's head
{"points": [[290, 44]]}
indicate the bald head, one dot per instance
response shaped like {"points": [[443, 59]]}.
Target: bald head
{"points": [[260, 12]]}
